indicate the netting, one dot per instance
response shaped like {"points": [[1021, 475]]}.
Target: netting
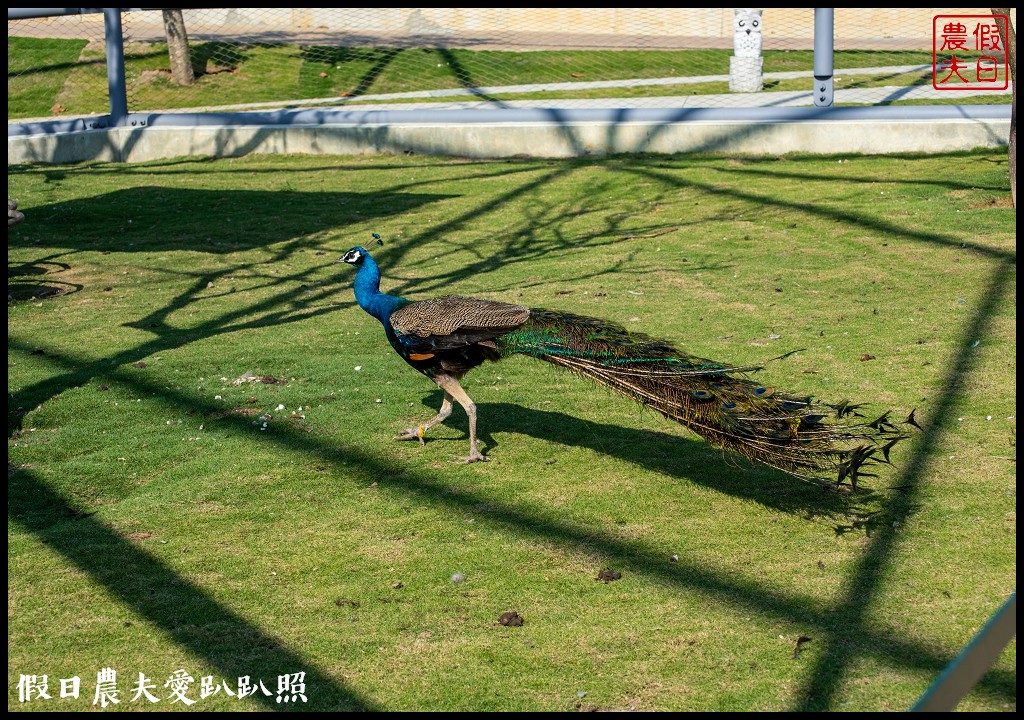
{"points": [[369, 58]]}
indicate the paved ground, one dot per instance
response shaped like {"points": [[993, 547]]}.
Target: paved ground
{"points": [[147, 27]]}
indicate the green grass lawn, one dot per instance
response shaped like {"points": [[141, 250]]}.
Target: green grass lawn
{"points": [[37, 69], [163, 517]]}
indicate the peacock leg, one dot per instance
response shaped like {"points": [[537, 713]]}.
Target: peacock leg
{"points": [[451, 386], [416, 433]]}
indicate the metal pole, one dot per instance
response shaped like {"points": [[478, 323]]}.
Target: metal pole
{"points": [[27, 13], [115, 66], [824, 45], [974, 660]]}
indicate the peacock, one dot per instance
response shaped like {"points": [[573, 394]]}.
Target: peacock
{"points": [[447, 337]]}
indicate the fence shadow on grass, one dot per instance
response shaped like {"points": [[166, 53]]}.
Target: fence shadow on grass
{"points": [[820, 690], [36, 508], [842, 647], [844, 631], [181, 609]]}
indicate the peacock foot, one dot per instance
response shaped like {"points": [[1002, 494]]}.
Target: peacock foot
{"points": [[475, 456], [415, 433]]}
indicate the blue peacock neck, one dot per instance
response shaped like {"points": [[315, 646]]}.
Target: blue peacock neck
{"points": [[368, 294]]}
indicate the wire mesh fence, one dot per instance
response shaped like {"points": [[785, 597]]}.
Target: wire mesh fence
{"points": [[255, 58]]}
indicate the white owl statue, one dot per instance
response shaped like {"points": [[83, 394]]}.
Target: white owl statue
{"points": [[746, 66], [746, 32]]}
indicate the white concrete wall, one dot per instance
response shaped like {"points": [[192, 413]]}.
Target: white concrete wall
{"points": [[496, 140]]}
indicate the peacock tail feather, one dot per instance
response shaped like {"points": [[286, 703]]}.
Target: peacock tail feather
{"points": [[715, 400]]}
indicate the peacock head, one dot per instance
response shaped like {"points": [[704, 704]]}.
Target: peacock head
{"points": [[355, 256]]}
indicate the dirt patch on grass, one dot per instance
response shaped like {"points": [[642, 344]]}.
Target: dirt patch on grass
{"points": [[39, 281], [1006, 201]]}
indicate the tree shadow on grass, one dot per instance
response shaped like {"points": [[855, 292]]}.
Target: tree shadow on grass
{"points": [[283, 224], [319, 57], [216, 56], [206, 221], [844, 631], [235, 646], [244, 221], [186, 612]]}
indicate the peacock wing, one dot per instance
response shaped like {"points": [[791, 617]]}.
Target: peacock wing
{"points": [[455, 321]]}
